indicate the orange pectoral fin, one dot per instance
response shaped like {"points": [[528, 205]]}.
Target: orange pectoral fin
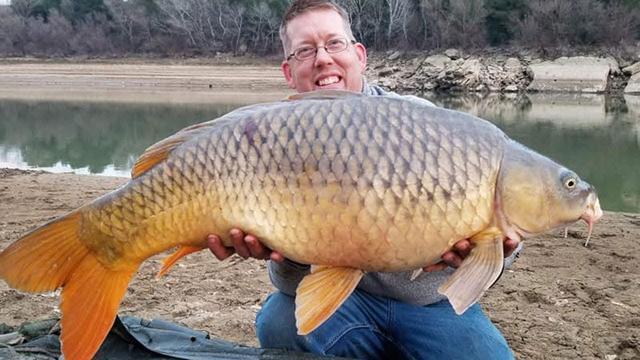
{"points": [[90, 301], [478, 271], [321, 293], [171, 260]]}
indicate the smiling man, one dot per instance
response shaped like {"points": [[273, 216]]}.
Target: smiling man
{"points": [[388, 316], [320, 50]]}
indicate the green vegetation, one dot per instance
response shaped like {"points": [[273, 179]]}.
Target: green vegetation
{"points": [[205, 27]]}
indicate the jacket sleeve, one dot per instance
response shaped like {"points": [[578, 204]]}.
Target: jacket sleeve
{"points": [[286, 276]]}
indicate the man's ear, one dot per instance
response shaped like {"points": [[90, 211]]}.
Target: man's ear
{"points": [[286, 70], [361, 51]]}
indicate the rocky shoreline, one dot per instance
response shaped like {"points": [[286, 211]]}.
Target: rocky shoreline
{"points": [[454, 71]]}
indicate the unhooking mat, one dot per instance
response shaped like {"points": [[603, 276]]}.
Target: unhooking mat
{"points": [[135, 338]]}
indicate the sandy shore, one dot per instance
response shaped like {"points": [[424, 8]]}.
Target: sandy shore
{"points": [[560, 300], [161, 83]]}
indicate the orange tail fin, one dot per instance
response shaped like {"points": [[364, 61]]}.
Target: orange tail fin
{"points": [[53, 256], [90, 302], [43, 259]]}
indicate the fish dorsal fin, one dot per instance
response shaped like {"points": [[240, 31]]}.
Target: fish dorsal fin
{"points": [[159, 151], [321, 293], [324, 94], [172, 259], [478, 271], [155, 154]]}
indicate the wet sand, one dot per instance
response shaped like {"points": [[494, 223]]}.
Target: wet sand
{"points": [[162, 83]]}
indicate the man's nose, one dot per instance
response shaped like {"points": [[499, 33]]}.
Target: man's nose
{"points": [[323, 57]]}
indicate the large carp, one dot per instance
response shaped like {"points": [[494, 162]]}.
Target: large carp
{"points": [[345, 182]]}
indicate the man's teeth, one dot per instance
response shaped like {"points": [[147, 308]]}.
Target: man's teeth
{"points": [[328, 80]]}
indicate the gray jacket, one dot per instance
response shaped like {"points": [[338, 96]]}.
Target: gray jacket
{"points": [[423, 290]]}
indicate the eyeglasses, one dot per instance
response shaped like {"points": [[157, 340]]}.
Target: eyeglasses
{"points": [[332, 46]]}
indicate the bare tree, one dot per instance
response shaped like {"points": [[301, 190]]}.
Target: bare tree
{"points": [[92, 37], [234, 16], [23, 8], [454, 23], [398, 18], [262, 27], [130, 21], [179, 27], [49, 38], [357, 10], [178, 18], [12, 34], [553, 23]]}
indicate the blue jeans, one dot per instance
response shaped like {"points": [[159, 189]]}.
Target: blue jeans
{"points": [[373, 327]]}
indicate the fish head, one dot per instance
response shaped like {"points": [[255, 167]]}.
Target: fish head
{"points": [[535, 194]]}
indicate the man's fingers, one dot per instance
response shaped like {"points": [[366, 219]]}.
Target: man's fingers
{"points": [[510, 246], [452, 259], [435, 267], [259, 251], [256, 248], [237, 238], [276, 256], [245, 246], [220, 251], [462, 248]]}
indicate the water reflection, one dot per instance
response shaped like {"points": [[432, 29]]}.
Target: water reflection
{"points": [[97, 138], [599, 137]]}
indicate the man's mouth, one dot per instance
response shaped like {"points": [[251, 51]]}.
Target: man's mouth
{"points": [[329, 80]]}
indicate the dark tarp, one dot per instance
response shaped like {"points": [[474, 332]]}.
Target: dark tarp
{"points": [[135, 338]]}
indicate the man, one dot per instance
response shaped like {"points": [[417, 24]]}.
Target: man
{"points": [[388, 316]]}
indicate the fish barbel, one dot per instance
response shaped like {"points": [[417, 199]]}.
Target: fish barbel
{"points": [[345, 182]]}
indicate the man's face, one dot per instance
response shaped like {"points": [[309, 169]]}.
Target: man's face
{"points": [[342, 70]]}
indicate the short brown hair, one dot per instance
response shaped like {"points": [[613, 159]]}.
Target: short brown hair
{"points": [[299, 7]]}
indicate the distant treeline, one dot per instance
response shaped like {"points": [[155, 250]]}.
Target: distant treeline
{"points": [[205, 27]]}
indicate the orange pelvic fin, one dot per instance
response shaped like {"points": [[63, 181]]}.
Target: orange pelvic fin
{"points": [[44, 259], [321, 293], [171, 260], [90, 301]]}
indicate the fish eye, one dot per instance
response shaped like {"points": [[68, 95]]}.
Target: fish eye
{"points": [[569, 180], [570, 183]]}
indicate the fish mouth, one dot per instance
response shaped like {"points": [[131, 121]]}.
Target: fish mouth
{"points": [[592, 213]]}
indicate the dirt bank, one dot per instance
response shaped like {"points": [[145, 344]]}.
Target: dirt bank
{"points": [[559, 301], [141, 82]]}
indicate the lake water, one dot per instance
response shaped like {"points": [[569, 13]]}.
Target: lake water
{"points": [[597, 136]]}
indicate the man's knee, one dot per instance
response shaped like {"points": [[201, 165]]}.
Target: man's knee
{"points": [[276, 324], [483, 339], [357, 341]]}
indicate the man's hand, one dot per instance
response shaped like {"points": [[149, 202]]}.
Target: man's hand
{"points": [[461, 249], [244, 245]]}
